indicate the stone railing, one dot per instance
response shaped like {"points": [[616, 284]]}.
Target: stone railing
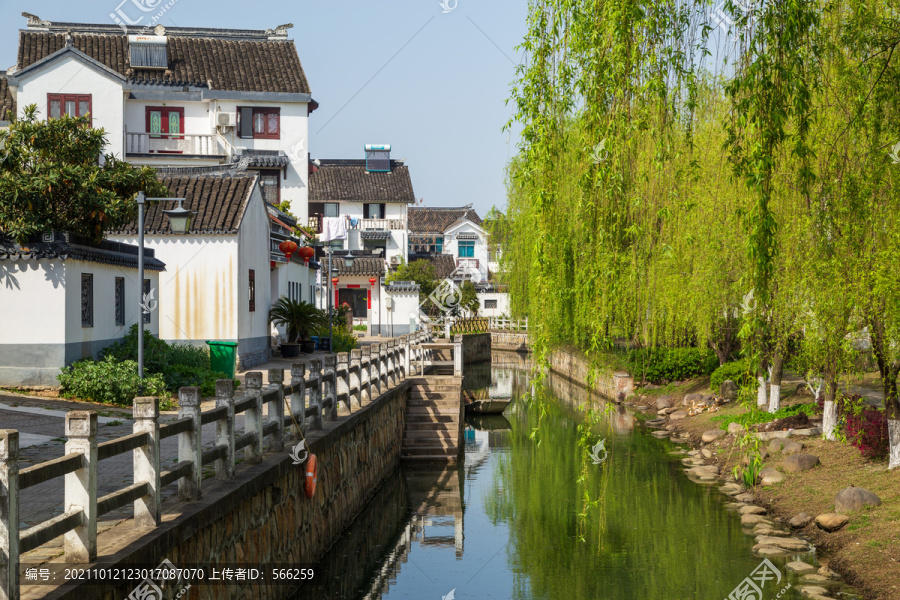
{"points": [[498, 324], [317, 387]]}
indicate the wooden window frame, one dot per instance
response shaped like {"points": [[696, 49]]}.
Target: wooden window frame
{"points": [[277, 173], [119, 292], [87, 300], [252, 299], [61, 98], [253, 111]]}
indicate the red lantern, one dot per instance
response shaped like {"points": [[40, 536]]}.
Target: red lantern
{"points": [[334, 280], [372, 280], [288, 247], [306, 253]]}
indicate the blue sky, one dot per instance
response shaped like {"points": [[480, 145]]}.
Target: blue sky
{"points": [[431, 84]]}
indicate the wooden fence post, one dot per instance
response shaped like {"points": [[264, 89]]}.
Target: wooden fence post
{"points": [[146, 461], [80, 544], [9, 514], [225, 428], [329, 389], [276, 409], [315, 390], [253, 422], [189, 446], [298, 397]]}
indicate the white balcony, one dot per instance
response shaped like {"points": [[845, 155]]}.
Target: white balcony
{"points": [[172, 144], [389, 224]]}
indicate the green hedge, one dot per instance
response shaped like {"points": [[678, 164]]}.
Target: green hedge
{"points": [[737, 371], [108, 381], [659, 365], [343, 341]]}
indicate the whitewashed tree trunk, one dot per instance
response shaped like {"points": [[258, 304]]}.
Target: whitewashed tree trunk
{"points": [[761, 400], [894, 437], [829, 420], [774, 397]]}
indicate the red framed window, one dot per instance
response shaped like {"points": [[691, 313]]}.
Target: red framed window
{"points": [[74, 105], [259, 123], [165, 120]]}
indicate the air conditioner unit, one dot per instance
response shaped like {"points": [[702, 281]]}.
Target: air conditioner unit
{"points": [[226, 119], [396, 260]]}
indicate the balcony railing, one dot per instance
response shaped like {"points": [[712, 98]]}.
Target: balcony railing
{"points": [[192, 144], [467, 263], [316, 219]]}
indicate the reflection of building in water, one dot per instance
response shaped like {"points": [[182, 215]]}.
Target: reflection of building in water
{"points": [[436, 498], [502, 383]]}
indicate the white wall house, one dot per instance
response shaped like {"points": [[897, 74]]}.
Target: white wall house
{"points": [[222, 274], [368, 196], [176, 96], [64, 299], [454, 232]]}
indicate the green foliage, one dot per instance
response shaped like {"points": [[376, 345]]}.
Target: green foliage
{"points": [[360, 328], [108, 381], [755, 416], [420, 271], [343, 341], [468, 301], [752, 459], [50, 179], [738, 371], [660, 365], [301, 318]]}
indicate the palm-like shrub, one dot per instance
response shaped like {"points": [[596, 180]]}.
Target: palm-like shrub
{"points": [[299, 317]]}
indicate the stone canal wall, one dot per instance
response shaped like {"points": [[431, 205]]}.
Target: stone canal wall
{"points": [[476, 347], [510, 340], [574, 366], [262, 517]]}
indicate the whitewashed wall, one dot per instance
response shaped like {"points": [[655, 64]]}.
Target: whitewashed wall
{"points": [[402, 318], [68, 75], [254, 253], [502, 309], [46, 296], [451, 245]]}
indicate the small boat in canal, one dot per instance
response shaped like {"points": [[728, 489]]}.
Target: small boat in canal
{"points": [[492, 406]]}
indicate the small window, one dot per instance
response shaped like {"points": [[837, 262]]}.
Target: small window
{"points": [[259, 123], [252, 306], [120, 300], [87, 300], [331, 209], [490, 304], [74, 105], [270, 184], [146, 315], [336, 244], [466, 249], [373, 211], [148, 55]]}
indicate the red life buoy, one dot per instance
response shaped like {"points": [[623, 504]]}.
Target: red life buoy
{"points": [[312, 476]]}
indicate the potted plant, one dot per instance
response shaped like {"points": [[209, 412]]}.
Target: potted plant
{"points": [[300, 318]]}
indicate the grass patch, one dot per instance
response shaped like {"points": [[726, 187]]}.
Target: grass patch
{"points": [[755, 416]]}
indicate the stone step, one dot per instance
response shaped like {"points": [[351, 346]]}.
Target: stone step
{"points": [[424, 410], [428, 440], [436, 387], [431, 449], [435, 457], [430, 425], [428, 394], [442, 404], [427, 416]]}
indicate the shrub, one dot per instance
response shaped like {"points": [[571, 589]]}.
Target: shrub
{"points": [[360, 327], [108, 381], [868, 432], [737, 371], [159, 355], [755, 416], [659, 365], [343, 341]]}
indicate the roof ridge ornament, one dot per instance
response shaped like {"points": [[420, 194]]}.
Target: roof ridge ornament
{"points": [[35, 21]]}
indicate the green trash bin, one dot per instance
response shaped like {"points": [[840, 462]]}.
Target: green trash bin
{"points": [[222, 357]]}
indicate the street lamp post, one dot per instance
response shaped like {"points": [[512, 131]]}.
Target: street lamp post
{"points": [[179, 222]]}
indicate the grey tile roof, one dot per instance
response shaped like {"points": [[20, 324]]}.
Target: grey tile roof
{"points": [[220, 63], [220, 199], [438, 220], [361, 266], [66, 246], [375, 234], [336, 180], [266, 159]]}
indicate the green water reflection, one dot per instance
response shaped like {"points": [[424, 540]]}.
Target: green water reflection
{"points": [[505, 523]]}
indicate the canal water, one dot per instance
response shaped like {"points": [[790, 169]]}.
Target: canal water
{"points": [[529, 515]]}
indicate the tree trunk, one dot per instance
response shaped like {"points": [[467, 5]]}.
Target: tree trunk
{"points": [[829, 419], [761, 400], [894, 440], [892, 412], [775, 382]]}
